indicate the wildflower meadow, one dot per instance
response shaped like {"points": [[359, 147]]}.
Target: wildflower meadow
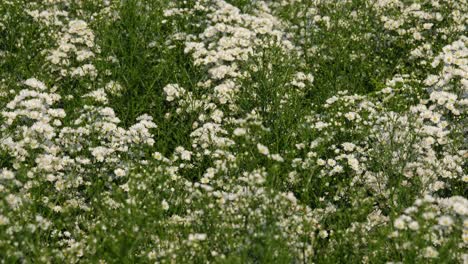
{"points": [[233, 131]]}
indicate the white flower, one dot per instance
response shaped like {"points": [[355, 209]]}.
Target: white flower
{"points": [[348, 146], [113, 87], [427, 25], [321, 162], [185, 155], [57, 208], [387, 90], [157, 156], [217, 116], [4, 220], [413, 225], [399, 223], [7, 175], [331, 162], [353, 163], [430, 252], [431, 80], [165, 205], [323, 233], [98, 95], [173, 91], [13, 200], [320, 125], [239, 132], [196, 237], [84, 70], [277, 157], [119, 172], [34, 83], [76, 26], [351, 116], [263, 149], [51, 177], [152, 255], [100, 153], [445, 220]]}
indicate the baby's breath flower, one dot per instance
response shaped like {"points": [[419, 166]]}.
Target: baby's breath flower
{"points": [[263, 149]]}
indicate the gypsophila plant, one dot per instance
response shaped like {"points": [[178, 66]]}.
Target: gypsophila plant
{"points": [[233, 131]]}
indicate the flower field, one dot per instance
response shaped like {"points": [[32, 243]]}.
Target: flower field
{"points": [[233, 131]]}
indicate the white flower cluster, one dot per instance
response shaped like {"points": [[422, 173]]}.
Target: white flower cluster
{"points": [[423, 25], [247, 163], [437, 222], [230, 39], [76, 43]]}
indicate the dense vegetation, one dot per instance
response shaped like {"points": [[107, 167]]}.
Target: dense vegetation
{"points": [[241, 131]]}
